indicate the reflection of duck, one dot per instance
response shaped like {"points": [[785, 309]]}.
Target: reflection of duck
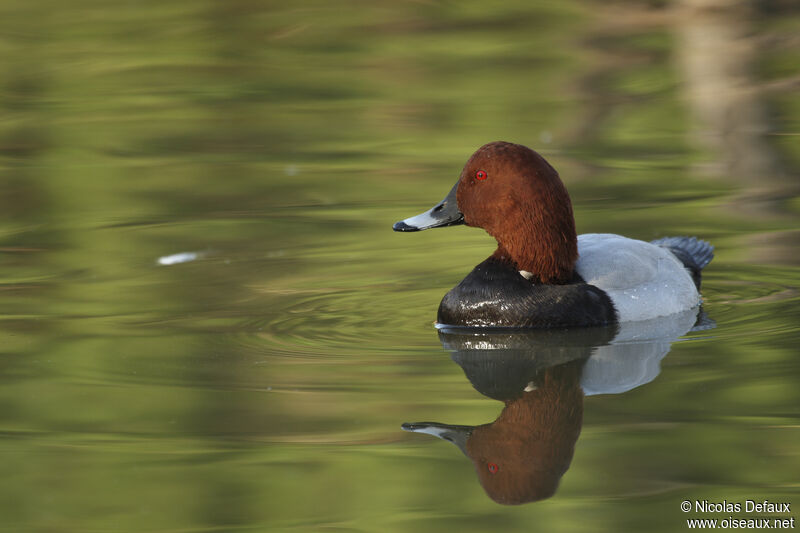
{"points": [[522, 455], [541, 376], [536, 277]]}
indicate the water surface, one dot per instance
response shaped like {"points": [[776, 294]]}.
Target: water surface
{"points": [[261, 383]]}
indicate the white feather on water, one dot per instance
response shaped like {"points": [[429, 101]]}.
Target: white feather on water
{"points": [[182, 257]]}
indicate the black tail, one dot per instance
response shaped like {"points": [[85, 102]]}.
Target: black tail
{"points": [[691, 251]]}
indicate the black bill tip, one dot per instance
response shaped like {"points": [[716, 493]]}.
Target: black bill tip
{"points": [[402, 226]]}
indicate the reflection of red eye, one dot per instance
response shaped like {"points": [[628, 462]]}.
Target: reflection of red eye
{"points": [[492, 468], [481, 175]]}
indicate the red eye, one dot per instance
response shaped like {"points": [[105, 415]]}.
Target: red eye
{"points": [[481, 175], [492, 468]]}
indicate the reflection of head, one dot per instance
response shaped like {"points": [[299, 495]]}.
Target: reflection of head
{"points": [[521, 456]]}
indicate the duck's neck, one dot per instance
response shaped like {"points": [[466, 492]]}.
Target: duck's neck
{"points": [[545, 264]]}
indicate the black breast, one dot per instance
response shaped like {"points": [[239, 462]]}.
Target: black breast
{"points": [[495, 294]]}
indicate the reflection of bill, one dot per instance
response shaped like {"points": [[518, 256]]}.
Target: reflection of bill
{"points": [[541, 377]]}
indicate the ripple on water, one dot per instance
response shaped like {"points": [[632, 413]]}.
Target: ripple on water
{"points": [[747, 300], [348, 322]]}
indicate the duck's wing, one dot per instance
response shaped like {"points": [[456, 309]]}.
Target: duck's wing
{"points": [[643, 280]]}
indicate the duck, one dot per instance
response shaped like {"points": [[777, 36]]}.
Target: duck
{"points": [[542, 274]]}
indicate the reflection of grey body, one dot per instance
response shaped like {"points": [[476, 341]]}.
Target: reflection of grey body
{"points": [[633, 358], [541, 376], [618, 359]]}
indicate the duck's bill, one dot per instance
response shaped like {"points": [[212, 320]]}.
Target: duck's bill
{"points": [[458, 435], [445, 213]]}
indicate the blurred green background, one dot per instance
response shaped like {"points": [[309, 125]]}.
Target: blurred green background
{"points": [[262, 386]]}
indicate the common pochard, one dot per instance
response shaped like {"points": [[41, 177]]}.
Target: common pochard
{"points": [[542, 273]]}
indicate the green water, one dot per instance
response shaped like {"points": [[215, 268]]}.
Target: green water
{"points": [[261, 386]]}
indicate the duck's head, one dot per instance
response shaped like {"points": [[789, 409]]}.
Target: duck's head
{"points": [[517, 197]]}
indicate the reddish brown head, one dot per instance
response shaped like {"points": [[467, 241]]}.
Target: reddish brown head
{"points": [[517, 197]]}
